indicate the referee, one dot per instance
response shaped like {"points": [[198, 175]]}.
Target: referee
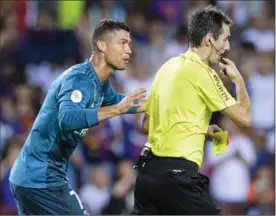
{"points": [[185, 93]]}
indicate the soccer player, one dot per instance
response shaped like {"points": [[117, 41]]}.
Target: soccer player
{"points": [[185, 92], [79, 99]]}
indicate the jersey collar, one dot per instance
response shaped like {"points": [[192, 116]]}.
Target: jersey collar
{"points": [[195, 57], [91, 72]]}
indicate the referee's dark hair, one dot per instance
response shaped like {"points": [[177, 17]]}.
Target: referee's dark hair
{"points": [[204, 21], [104, 28]]}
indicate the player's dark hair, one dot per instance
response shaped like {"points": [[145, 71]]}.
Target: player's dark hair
{"points": [[105, 27], [204, 21]]}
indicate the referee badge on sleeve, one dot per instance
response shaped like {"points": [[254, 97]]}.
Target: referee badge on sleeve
{"points": [[76, 96]]}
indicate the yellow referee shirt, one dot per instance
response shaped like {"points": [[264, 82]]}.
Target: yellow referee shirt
{"points": [[184, 94]]}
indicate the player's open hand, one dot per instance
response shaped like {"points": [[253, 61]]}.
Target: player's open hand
{"points": [[231, 70], [134, 100], [212, 129]]}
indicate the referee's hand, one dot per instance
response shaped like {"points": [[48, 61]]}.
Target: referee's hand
{"points": [[212, 129], [231, 70]]}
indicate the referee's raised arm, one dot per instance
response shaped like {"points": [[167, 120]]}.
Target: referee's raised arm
{"points": [[240, 112]]}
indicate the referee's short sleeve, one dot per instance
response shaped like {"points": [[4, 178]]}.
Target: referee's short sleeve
{"points": [[213, 91]]}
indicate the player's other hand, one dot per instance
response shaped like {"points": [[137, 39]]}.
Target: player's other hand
{"points": [[212, 129], [231, 70], [134, 100]]}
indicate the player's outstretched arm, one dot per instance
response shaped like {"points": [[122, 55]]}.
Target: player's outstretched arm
{"points": [[112, 97], [131, 102], [74, 97], [78, 118]]}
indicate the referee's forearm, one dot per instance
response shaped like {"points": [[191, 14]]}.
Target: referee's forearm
{"points": [[145, 124], [242, 96]]}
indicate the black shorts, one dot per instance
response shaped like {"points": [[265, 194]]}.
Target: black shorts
{"points": [[172, 186], [47, 201]]}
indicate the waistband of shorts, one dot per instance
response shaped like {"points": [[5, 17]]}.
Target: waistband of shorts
{"points": [[175, 163]]}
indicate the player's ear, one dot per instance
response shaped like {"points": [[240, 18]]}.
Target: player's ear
{"points": [[101, 45]]}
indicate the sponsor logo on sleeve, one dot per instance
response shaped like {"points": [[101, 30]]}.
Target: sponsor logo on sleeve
{"points": [[220, 88], [76, 96]]}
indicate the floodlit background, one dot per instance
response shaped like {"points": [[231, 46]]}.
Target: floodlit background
{"points": [[40, 39]]}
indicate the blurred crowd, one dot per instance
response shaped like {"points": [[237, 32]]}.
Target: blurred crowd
{"points": [[40, 39]]}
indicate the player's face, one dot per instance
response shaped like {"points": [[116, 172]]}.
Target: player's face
{"points": [[222, 44], [118, 49]]}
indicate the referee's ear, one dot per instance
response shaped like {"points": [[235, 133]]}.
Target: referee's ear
{"points": [[208, 39], [145, 124]]}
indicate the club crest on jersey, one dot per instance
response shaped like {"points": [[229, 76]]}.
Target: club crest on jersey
{"points": [[76, 96]]}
